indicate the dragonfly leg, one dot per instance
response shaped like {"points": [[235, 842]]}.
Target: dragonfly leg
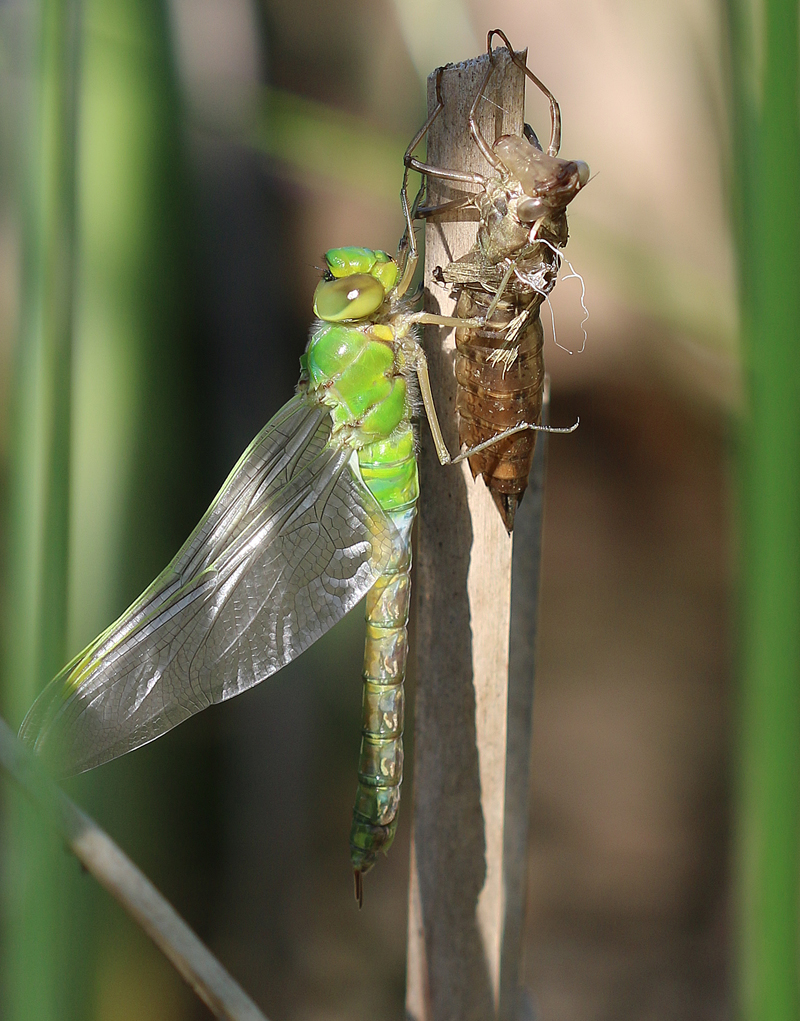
{"points": [[426, 170], [453, 322], [444, 207], [524, 427], [423, 376], [407, 254], [423, 131], [555, 110], [512, 265], [407, 251], [412, 163], [421, 367], [446, 175], [476, 322], [488, 152]]}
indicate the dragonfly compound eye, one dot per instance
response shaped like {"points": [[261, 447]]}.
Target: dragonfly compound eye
{"points": [[352, 297], [530, 209]]}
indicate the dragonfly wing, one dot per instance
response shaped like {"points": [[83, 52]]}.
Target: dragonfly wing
{"points": [[293, 540]]}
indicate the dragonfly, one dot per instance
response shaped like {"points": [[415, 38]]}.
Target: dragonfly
{"points": [[316, 514], [502, 281]]}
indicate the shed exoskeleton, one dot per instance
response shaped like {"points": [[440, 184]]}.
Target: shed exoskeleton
{"points": [[502, 281]]}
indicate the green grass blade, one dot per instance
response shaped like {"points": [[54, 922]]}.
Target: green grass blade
{"points": [[766, 121], [35, 897], [133, 432]]}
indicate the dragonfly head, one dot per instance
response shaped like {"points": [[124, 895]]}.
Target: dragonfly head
{"points": [[355, 284], [546, 184]]}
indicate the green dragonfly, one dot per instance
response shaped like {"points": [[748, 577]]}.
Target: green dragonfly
{"points": [[317, 514]]}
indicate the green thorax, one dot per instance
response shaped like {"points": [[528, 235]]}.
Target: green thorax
{"points": [[356, 362]]}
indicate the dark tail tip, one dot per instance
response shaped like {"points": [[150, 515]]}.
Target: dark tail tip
{"points": [[507, 504], [358, 876]]}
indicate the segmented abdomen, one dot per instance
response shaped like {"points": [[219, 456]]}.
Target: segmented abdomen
{"points": [[500, 385], [380, 765], [389, 469]]}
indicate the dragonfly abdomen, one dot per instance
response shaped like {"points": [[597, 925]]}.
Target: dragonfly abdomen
{"points": [[500, 385], [389, 469], [380, 764]]}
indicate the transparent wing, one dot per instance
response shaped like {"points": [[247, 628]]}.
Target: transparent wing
{"points": [[292, 541]]}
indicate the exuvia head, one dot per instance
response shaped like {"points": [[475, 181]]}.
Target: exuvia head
{"points": [[354, 285], [545, 184]]}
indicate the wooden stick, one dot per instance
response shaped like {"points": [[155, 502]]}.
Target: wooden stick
{"points": [[525, 573], [467, 874], [99, 855]]}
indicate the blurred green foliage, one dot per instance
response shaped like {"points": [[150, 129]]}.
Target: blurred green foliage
{"points": [[99, 393], [317, 139], [36, 887], [764, 76]]}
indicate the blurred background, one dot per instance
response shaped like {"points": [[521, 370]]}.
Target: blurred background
{"points": [[221, 147]]}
